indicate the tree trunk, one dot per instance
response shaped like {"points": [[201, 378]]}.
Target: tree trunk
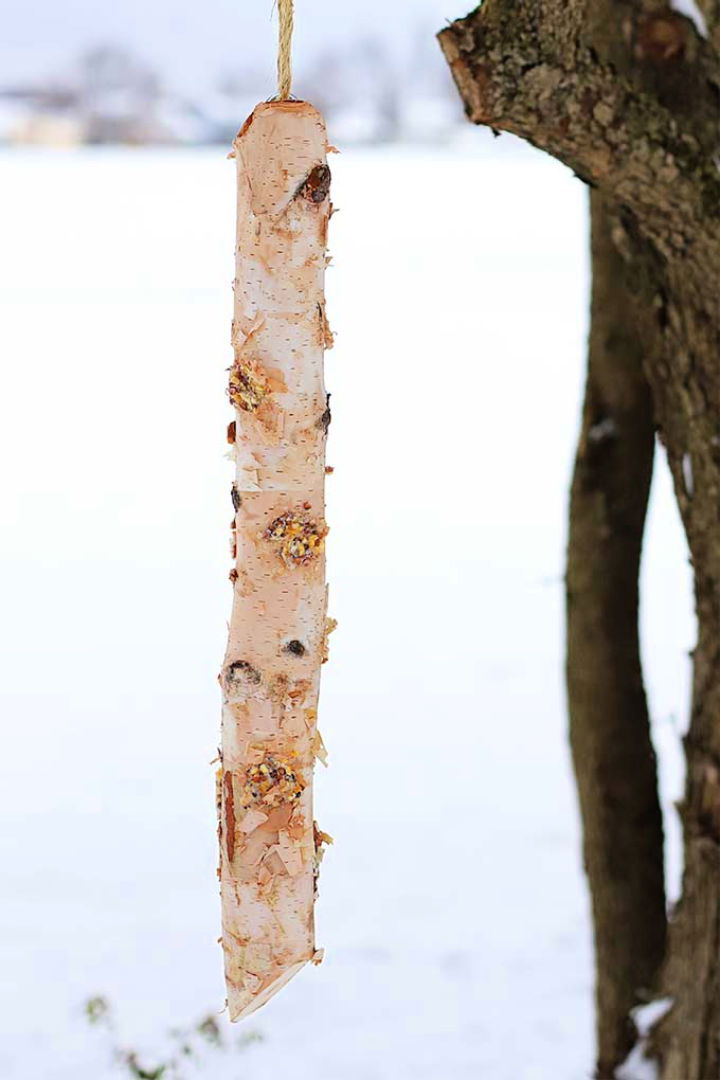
{"points": [[609, 729], [635, 113]]}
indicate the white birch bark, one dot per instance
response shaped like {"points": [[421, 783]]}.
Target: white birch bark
{"points": [[269, 846]]}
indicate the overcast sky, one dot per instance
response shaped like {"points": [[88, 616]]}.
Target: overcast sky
{"points": [[205, 39]]}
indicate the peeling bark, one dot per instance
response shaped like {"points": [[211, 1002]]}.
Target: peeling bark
{"points": [[635, 113], [269, 846], [613, 755]]}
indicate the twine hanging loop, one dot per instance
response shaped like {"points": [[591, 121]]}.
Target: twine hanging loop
{"points": [[284, 58]]}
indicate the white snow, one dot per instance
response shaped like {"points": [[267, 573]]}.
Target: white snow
{"points": [[687, 471], [646, 1016], [691, 9], [638, 1066], [452, 906], [604, 429]]}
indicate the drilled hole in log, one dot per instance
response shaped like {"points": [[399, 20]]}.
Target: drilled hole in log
{"points": [[324, 421], [316, 185], [298, 539], [241, 673], [295, 647], [246, 388], [271, 783]]}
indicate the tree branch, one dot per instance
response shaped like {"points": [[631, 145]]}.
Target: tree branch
{"points": [[514, 76]]}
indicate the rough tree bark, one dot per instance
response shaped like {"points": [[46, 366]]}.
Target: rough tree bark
{"points": [[609, 727], [635, 113]]}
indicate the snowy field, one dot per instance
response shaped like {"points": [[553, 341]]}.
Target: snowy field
{"points": [[452, 905]]}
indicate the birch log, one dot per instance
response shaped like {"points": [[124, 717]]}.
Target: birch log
{"points": [[269, 845]]}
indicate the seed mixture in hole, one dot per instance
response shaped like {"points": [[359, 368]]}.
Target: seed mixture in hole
{"points": [[247, 389], [271, 783], [298, 539]]}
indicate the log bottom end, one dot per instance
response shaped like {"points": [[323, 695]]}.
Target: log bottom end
{"points": [[242, 1003]]}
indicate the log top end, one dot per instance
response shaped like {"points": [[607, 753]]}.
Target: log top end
{"points": [[277, 149], [279, 109]]}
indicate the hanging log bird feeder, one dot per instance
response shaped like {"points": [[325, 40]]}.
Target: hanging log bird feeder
{"points": [[270, 846]]}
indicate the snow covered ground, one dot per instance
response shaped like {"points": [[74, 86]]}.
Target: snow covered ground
{"points": [[452, 906]]}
